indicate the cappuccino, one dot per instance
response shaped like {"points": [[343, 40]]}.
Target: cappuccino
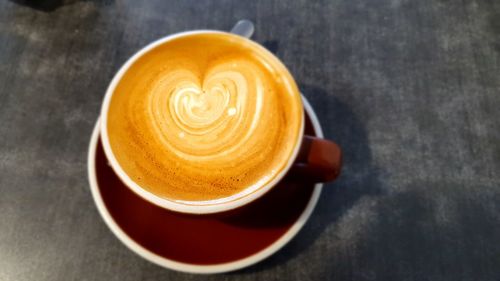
{"points": [[205, 118]]}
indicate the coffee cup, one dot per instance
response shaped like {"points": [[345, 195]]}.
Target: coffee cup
{"points": [[205, 121]]}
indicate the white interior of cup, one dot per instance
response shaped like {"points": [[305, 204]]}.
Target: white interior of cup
{"points": [[194, 207]]}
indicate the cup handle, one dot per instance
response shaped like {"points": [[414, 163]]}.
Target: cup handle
{"points": [[319, 160]]}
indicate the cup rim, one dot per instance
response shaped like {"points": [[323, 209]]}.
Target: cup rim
{"points": [[242, 198]]}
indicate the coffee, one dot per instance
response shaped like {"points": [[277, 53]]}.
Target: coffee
{"points": [[204, 117]]}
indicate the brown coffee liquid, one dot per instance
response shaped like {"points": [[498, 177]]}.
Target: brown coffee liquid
{"points": [[205, 117]]}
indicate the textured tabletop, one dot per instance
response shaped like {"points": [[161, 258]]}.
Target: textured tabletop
{"points": [[409, 89]]}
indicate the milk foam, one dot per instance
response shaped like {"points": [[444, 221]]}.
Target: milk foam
{"points": [[205, 117]]}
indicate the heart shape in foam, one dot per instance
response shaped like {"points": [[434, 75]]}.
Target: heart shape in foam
{"points": [[215, 114]]}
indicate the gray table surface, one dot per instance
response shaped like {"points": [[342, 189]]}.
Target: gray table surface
{"points": [[409, 89]]}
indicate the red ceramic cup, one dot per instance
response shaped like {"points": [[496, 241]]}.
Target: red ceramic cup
{"points": [[313, 159]]}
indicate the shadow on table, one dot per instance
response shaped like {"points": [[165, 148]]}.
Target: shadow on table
{"points": [[271, 45], [51, 5], [359, 176]]}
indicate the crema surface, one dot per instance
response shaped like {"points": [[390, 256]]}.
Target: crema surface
{"points": [[205, 117]]}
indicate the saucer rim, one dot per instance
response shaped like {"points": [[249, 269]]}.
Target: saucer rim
{"points": [[196, 268]]}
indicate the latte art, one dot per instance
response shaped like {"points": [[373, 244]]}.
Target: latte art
{"points": [[205, 118], [187, 112]]}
